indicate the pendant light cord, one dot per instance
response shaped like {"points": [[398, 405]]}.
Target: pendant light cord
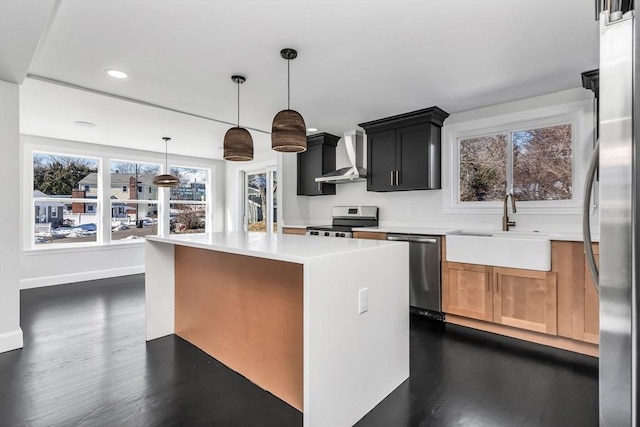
{"points": [[238, 103], [166, 156], [288, 85]]}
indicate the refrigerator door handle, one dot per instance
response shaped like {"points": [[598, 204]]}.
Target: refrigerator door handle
{"points": [[586, 226]]}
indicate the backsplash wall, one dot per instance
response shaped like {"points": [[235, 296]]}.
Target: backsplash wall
{"points": [[429, 208]]}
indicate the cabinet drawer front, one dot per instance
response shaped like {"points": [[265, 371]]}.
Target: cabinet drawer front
{"points": [[525, 299], [467, 290]]}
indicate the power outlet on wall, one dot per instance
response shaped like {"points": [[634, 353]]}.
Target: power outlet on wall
{"points": [[411, 209], [363, 300]]}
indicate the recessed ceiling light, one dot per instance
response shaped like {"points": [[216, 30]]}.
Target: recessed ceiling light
{"points": [[85, 124], [117, 74], [312, 130]]}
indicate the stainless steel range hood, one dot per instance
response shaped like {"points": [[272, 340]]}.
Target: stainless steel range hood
{"points": [[353, 142]]}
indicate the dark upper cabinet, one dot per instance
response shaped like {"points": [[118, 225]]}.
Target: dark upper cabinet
{"points": [[320, 158], [403, 152]]}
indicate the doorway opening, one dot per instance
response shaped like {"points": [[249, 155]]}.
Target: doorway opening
{"points": [[260, 201]]}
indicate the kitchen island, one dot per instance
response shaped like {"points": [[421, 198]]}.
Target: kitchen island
{"points": [[321, 323]]}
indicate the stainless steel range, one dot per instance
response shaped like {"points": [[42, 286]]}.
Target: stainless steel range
{"points": [[345, 219]]}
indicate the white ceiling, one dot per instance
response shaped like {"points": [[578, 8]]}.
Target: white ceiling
{"points": [[358, 61]]}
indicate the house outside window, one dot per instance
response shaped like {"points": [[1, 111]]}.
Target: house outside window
{"points": [[56, 184], [134, 213], [71, 210]]}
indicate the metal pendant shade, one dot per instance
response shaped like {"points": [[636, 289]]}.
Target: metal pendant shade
{"points": [[238, 144], [288, 132], [165, 180]]}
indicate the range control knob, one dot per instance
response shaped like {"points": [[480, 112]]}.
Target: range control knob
{"points": [[326, 233]]}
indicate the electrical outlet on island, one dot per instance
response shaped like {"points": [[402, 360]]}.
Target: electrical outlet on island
{"points": [[363, 300]]}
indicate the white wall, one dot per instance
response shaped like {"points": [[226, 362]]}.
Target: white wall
{"points": [[44, 267], [10, 332], [429, 208]]}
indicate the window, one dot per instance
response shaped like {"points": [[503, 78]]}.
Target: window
{"points": [[188, 201], [76, 200], [133, 215], [260, 201], [60, 181], [535, 163]]}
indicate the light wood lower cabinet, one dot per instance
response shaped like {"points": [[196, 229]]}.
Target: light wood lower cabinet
{"points": [[294, 230], [559, 308], [588, 325], [467, 290], [525, 299], [373, 235], [578, 300]]}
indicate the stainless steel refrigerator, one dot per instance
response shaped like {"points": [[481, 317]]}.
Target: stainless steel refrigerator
{"points": [[619, 105]]}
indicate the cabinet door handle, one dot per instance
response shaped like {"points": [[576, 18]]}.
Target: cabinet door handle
{"points": [[397, 177], [319, 187], [488, 279], [391, 177]]}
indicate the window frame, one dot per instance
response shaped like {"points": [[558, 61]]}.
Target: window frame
{"points": [[32, 200], [271, 200], [208, 191], [34, 144], [130, 201], [578, 114]]}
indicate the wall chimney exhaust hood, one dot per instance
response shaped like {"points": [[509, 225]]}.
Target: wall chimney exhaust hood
{"points": [[353, 141]]}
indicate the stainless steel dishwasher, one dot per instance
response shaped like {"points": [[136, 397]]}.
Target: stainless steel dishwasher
{"points": [[424, 273]]}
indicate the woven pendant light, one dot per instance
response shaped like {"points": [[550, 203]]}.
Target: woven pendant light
{"points": [[238, 144], [166, 180], [288, 132]]}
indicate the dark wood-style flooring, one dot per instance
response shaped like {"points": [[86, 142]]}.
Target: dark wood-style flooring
{"points": [[85, 363]]}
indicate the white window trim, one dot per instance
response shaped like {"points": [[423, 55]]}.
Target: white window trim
{"points": [[35, 144], [208, 191], [269, 168], [578, 113]]}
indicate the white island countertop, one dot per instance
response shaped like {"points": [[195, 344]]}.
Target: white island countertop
{"points": [[286, 247], [331, 316]]}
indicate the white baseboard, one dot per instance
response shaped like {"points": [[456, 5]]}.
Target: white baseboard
{"points": [[38, 282], [11, 340]]}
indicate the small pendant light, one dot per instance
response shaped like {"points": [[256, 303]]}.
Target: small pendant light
{"points": [[166, 180], [238, 145], [288, 132]]}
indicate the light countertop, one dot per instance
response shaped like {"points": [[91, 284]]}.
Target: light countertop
{"points": [[569, 236], [291, 248], [433, 231]]}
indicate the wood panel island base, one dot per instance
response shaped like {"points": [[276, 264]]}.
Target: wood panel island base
{"points": [[285, 313]]}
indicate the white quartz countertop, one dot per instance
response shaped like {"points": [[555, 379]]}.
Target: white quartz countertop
{"points": [[570, 236], [286, 247], [433, 231]]}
